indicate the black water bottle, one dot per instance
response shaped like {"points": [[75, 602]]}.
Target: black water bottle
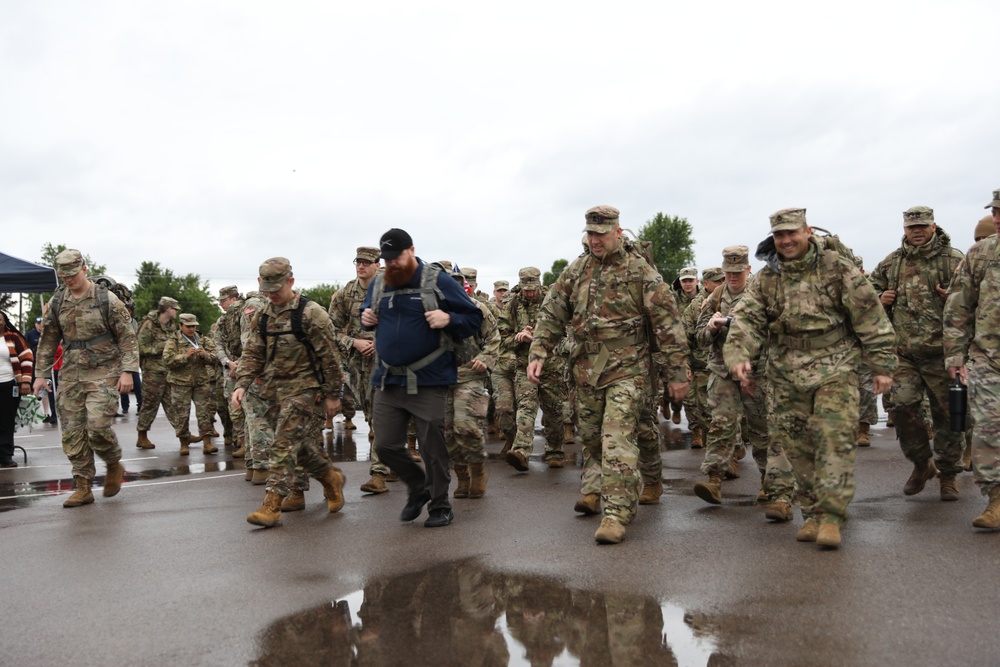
{"points": [[958, 402]]}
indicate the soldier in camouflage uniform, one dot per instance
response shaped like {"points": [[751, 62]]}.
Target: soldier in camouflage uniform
{"points": [[500, 289], [189, 359], [471, 276], [972, 352], [155, 329], [868, 414], [697, 398], [99, 356], [229, 348], [517, 325], [300, 381], [815, 312], [912, 283], [218, 393], [624, 321], [686, 289], [729, 402], [259, 434], [465, 412], [357, 349]]}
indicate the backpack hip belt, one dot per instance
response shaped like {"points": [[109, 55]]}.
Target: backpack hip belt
{"points": [[410, 371], [90, 342]]}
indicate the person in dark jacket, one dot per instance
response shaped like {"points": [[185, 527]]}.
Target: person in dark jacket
{"points": [[412, 370]]}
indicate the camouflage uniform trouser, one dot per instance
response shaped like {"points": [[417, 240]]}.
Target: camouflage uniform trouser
{"points": [[203, 396], [911, 381], [87, 410], [155, 391], [260, 435], [696, 401], [348, 402], [359, 385], [815, 427], [647, 437], [465, 421], [984, 408], [867, 401], [607, 420], [221, 405], [503, 394], [297, 423], [550, 393], [235, 414]]}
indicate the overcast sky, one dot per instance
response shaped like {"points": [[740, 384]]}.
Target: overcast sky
{"points": [[209, 136]]}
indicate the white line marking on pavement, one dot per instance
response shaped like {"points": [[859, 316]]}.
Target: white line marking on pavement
{"points": [[130, 485]]}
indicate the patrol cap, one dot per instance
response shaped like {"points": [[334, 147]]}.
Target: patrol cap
{"points": [[529, 278], [736, 258], [688, 273], [713, 273], [470, 274], [274, 273], [787, 218], [189, 320], [69, 263], [168, 302], [918, 215], [501, 284], [985, 228], [446, 264], [601, 219], [229, 292], [394, 242], [367, 253], [996, 199]]}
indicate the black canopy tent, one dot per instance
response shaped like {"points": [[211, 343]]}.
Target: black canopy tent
{"points": [[20, 276]]}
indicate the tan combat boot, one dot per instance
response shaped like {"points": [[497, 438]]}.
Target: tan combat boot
{"points": [[569, 437], [507, 443], [411, 447], [493, 428], [143, 441], [610, 532], [949, 489], [294, 501], [113, 479], [711, 491], [227, 441], [517, 460], [333, 489], [990, 518], [269, 513], [477, 480], [185, 441], [828, 535], [260, 476], [779, 510], [862, 437], [462, 475], [675, 418], [240, 450], [329, 424], [375, 485], [588, 504], [890, 419], [808, 531], [349, 425], [697, 438], [967, 457], [651, 493], [82, 496], [207, 445], [922, 472], [249, 475], [733, 469]]}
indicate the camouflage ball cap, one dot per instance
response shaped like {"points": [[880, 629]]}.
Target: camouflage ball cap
{"points": [[714, 273], [470, 274], [69, 263], [274, 273], [688, 273], [787, 219], [918, 215], [501, 285], [735, 258], [228, 292], [189, 320], [601, 219], [168, 302], [529, 278], [996, 200], [367, 254]]}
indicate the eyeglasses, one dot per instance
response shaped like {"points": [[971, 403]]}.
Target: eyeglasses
{"points": [[363, 262]]}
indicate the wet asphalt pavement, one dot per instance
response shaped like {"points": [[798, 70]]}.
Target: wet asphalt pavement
{"points": [[170, 572]]}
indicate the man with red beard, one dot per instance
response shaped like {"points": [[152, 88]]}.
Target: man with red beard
{"points": [[412, 318]]}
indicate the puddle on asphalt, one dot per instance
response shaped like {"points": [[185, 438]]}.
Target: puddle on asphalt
{"points": [[463, 614]]}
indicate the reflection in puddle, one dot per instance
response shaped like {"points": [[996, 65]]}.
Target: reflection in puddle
{"points": [[462, 614]]}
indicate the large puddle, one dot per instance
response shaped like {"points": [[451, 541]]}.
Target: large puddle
{"points": [[460, 614]]}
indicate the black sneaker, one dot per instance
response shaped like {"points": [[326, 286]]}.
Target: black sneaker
{"points": [[439, 517], [8, 464], [414, 505]]}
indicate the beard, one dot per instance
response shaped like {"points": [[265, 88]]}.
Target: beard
{"points": [[400, 276]]}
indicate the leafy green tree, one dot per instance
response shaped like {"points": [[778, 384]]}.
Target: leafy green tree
{"points": [[321, 293], [549, 277], [48, 258], [673, 245], [194, 296]]}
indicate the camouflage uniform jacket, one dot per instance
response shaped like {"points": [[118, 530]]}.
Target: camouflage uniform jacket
{"points": [[282, 363], [228, 346], [723, 301], [255, 302], [913, 272], [972, 313], [612, 305], [689, 316], [189, 371], [152, 337], [345, 313], [816, 315], [490, 335], [518, 313], [81, 320]]}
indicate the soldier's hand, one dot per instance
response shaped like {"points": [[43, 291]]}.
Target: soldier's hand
{"points": [[717, 323], [40, 385], [437, 319], [368, 317], [125, 383], [748, 386], [477, 365], [960, 371], [191, 351], [881, 384], [524, 335], [365, 347], [942, 291], [535, 371], [742, 370], [887, 297], [237, 398], [677, 390], [332, 406], [232, 369]]}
